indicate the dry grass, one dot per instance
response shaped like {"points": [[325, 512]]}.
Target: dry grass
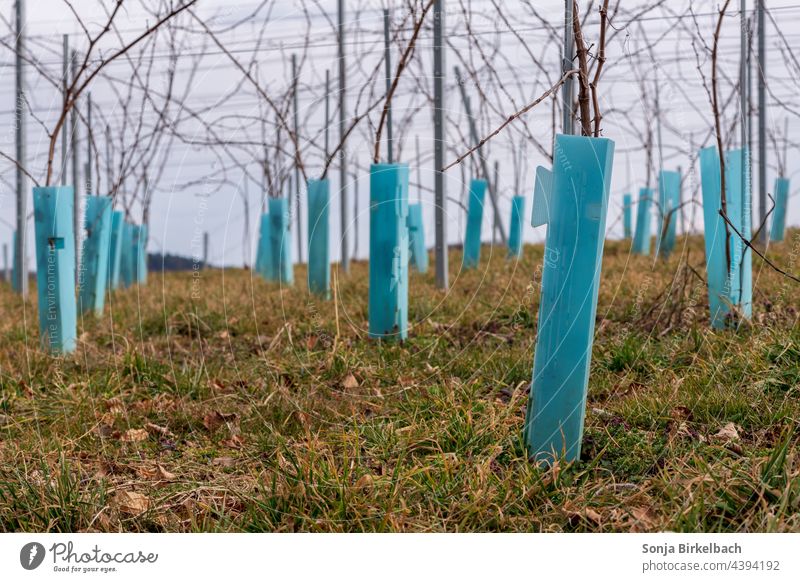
{"points": [[255, 408]]}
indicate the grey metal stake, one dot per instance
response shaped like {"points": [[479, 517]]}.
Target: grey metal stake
{"points": [[388, 61], [419, 170], [22, 198], [6, 271], [89, 185], [474, 132], [567, 91], [327, 111], [205, 250], [439, 98], [297, 164], [345, 258], [109, 161], [64, 133], [495, 183], [762, 122], [76, 190]]}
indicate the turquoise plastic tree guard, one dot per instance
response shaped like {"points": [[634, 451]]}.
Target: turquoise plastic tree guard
{"points": [[55, 267], [739, 207], [388, 251], [669, 199], [416, 234], [264, 265], [93, 278], [472, 239], [641, 239], [515, 232], [127, 270], [728, 288], [140, 250], [570, 281], [627, 222], [319, 258], [779, 214], [14, 266], [542, 189], [115, 248], [280, 244]]}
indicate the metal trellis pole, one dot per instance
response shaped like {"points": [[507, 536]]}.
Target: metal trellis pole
{"points": [[64, 133], [442, 274], [388, 62], [762, 122], [345, 256], [22, 198], [89, 186], [567, 92], [297, 164]]}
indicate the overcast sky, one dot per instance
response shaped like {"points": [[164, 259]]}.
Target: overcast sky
{"points": [[234, 109]]}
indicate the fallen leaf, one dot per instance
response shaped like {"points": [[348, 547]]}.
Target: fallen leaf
{"points": [[235, 442], [349, 382], [311, 342], [644, 518], [162, 430], [134, 435], [224, 462], [131, 502], [727, 433], [592, 515], [213, 420], [166, 475]]}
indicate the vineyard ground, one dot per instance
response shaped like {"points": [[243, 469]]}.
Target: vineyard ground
{"points": [[223, 403]]}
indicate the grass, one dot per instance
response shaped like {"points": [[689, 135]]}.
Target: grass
{"points": [[223, 403]]}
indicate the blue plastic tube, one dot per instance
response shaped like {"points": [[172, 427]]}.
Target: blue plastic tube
{"points": [[388, 251], [641, 239], [280, 244], [627, 218], [264, 265], [55, 268], [669, 199], [472, 238], [319, 261], [93, 278], [779, 214], [115, 248], [140, 248], [416, 234], [515, 232], [728, 260], [570, 281]]}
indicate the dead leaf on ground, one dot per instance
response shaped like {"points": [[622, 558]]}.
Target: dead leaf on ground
{"points": [[224, 462], [213, 420], [235, 442], [134, 435], [131, 502], [593, 515], [162, 430], [349, 382], [727, 433], [644, 518]]}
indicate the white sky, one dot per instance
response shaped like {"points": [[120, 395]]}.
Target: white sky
{"points": [[177, 211]]}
